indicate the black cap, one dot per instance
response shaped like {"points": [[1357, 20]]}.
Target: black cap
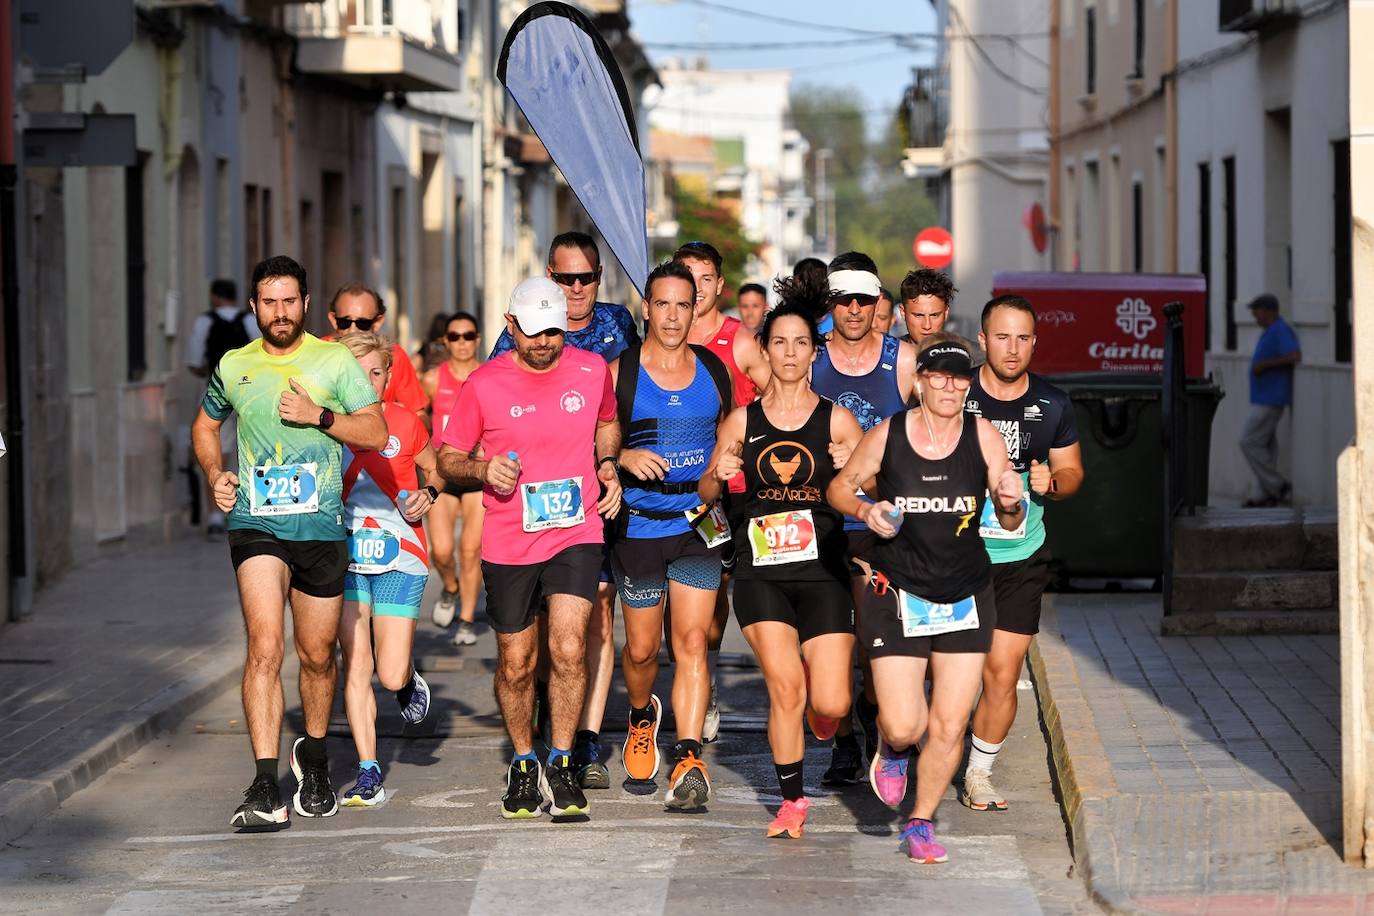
{"points": [[946, 357], [1264, 301]]}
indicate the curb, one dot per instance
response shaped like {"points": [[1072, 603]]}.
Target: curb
{"points": [[1087, 786], [26, 801]]}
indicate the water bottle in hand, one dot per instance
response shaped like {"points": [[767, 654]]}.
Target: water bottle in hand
{"points": [[506, 491], [894, 518]]}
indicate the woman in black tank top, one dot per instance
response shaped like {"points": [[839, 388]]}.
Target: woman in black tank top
{"points": [[779, 455], [929, 601]]}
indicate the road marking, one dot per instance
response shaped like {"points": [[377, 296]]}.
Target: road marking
{"points": [[207, 902], [445, 799]]}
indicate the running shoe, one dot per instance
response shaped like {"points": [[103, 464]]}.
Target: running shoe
{"points": [[710, 728], [689, 789], [887, 774], [846, 767], [918, 839], [415, 711], [465, 635], [444, 609], [791, 817], [314, 795], [591, 772], [977, 792], [867, 714], [640, 754], [522, 798], [823, 727], [262, 806], [558, 784], [367, 791]]}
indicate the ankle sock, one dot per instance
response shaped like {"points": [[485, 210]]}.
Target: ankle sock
{"points": [[267, 766], [847, 741], [689, 746], [640, 714], [789, 779], [370, 765], [312, 750], [586, 736], [529, 756], [983, 754], [554, 754]]}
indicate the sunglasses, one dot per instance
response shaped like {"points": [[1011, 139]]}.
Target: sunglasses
{"points": [[586, 278], [846, 298], [454, 336], [364, 324]]}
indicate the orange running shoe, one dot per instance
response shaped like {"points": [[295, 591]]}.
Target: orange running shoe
{"points": [[790, 819], [690, 787], [823, 727], [640, 754]]}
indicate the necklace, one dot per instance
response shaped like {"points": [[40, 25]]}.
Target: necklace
{"points": [[936, 447], [860, 357]]}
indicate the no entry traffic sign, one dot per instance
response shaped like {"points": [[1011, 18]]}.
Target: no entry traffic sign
{"points": [[934, 247]]}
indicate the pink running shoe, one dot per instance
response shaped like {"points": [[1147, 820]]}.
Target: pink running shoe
{"points": [[887, 774], [822, 727], [919, 840], [790, 819]]}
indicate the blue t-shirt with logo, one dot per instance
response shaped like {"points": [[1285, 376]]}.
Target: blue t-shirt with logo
{"points": [[610, 333], [1273, 387]]}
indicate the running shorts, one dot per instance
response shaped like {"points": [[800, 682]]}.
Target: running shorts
{"points": [[387, 594], [460, 489], [514, 593], [861, 547], [317, 567], [645, 566], [880, 629], [812, 608], [1020, 585]]}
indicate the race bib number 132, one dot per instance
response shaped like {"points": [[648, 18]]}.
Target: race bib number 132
{"points": [[552, 504]]}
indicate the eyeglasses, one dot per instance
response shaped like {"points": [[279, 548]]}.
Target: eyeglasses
{"points": [[455, 336], [846, 298], [364, 324], [942, 380], [586, 278]]}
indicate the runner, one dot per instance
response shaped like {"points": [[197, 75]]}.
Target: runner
{"points": [[749, 374], [926, 297], [545, 413], [387, 571], [297, 398], [607, 330], [356, 308], [433, 350], [670, 395], [871, 376], [752, 303], [929, 602], [442, 383], [883, 317], [792, 596], [1036, 420]]}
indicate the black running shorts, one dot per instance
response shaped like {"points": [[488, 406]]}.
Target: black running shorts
{"points": [[1020, 585], [460, 489], [317, 567], [861, 547], [812, 608], [514, 593], [880, 629]]}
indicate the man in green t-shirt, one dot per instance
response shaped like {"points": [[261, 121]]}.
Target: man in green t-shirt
{"points": [[299, 400]]}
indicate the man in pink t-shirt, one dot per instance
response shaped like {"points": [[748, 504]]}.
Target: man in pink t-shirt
{"points": [[547, 417]]}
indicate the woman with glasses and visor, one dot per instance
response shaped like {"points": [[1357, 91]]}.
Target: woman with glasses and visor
{"points": [[929, 600], [462, 585]]}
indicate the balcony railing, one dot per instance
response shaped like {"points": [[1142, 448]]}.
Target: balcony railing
{"points": [[413, 20], [1255, 15], [389, 45]]}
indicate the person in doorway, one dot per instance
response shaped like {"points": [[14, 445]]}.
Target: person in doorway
{"points": [[1271, 392]]}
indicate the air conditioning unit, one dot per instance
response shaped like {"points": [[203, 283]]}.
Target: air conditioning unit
{"points": [[1255, 15]]}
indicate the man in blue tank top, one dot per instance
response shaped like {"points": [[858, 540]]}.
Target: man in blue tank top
{"points": [[871, 376], [679, 394]]}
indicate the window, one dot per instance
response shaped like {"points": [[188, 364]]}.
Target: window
{"points": [[1341, 249], [1090, 42], [1090, 232], [1228, 203], [1139, 71], [267, 222], [1137, 226], [135, 268], [1204, 240], [252, 230]]}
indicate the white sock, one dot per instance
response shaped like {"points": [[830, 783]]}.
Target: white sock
{"points": [[983, 754]]}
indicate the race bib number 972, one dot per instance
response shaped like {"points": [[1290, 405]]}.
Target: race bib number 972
{"points": [[285, 489], [783, 537]]}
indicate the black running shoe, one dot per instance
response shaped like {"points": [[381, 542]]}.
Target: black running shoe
{"points": [[522, 798], [262, 807], [867, 714], [560, 786], [591, 772], [846, 767], [689, 788], [314, 795]]}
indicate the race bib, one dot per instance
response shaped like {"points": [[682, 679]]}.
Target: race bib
{"points": [[928, 618], [552, 504], [990, 528], [711, 524], [285, 489], [783, 537], [373, 550]]}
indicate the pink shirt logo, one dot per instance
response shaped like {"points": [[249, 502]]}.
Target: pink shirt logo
{"points": [[517, 411], [573, 401]]}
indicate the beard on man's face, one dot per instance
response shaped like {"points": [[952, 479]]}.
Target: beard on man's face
{"points": [[541, 356], [281, 332]]}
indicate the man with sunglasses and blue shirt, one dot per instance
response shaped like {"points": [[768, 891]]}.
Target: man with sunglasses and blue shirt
{"points": [[357, 308], [607, 330]]}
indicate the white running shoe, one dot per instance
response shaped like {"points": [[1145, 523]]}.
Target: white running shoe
{"points": [[465, 635], [978, 793], [710, 729], [444, 609]]}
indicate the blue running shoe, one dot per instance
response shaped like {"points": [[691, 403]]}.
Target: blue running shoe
{"points": [[417, 708], [367, 792]]}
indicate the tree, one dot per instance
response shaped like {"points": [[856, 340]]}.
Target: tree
{"points": [[705, 220]]}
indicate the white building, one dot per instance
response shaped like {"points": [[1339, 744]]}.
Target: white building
{"points": [[1264, 206], [750, 107]]}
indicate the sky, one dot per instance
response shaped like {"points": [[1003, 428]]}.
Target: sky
{"points": [[878, 67]]}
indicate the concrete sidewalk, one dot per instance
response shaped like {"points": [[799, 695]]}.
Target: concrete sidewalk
{"points": [[118, 650], [1199, 774]]}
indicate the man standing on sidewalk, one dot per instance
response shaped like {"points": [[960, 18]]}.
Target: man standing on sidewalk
{"points": [[1036, 420], [546, 416], [1271, 390], [298, 400]]}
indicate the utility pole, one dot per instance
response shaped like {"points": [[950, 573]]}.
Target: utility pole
{"points": [[823, 214]]}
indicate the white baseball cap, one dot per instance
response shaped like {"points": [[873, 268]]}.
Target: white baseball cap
{"points": [[854, 282], [538, 305]]}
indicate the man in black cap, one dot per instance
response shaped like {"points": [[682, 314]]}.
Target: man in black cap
{"points": [[1271, 390]]}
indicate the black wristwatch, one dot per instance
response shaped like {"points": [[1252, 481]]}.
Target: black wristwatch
{"points": [[326, 418], [611, 458], [433, 493]]}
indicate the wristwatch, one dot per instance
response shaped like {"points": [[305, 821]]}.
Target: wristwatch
{"points": [[326, 418], [611, 458], [1054, 485], [433, 493]]}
